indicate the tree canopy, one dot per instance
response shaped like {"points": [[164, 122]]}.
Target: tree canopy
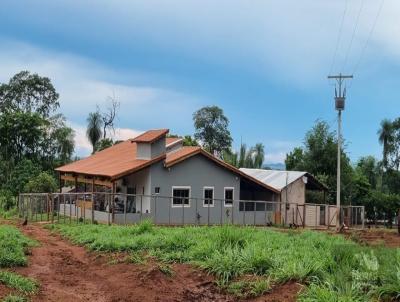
{"points": [[211, 129]]}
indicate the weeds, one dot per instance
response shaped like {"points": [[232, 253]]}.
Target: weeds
{"points": [[13, 246], [13, 298], [335, 269], [20, 283], [166, 269]]}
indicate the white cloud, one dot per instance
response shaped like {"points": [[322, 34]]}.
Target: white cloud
{"points": [[276, 151], [82, 85]]}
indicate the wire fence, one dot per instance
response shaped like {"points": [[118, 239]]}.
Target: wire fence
{"points": [[118, 208]]}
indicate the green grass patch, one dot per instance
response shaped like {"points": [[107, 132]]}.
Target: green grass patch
{"points": [[333, 268], [13, 246], [18, 282], [14, 298]]}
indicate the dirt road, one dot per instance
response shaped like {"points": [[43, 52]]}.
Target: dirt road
{"points": [[70, 273]]}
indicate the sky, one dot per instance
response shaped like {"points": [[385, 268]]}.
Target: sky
{"points": [[264, 62]]}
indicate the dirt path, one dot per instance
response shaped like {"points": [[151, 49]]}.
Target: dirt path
{"points": [[70, 273]]}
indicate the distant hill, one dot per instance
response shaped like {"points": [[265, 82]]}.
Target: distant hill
{"points": [[275, 166]]}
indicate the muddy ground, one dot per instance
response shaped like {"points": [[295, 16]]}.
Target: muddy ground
{"points": [[373, 237], [70, 273]]}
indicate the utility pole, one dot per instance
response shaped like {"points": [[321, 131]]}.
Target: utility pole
{"points": [[340, 97]]}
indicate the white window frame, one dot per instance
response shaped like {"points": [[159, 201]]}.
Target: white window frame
{"points": [[183, 204], [204, 197], [233, 196]]}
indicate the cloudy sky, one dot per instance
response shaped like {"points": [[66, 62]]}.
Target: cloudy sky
{"points": [[264, 62]]}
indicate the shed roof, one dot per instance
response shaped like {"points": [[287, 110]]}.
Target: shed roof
{"points": [[280, 179]]}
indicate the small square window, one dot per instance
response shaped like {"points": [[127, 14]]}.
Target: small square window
{"points": [[157, 190]]}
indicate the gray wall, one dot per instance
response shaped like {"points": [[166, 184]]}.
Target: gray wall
{"points": [[197, 172], [158, 147]]}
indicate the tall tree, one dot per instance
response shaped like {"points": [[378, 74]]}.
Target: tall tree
{"points": [[211, 129], [259, 154], [28, 92], [93, 130], [108, 117], [385, 133]]}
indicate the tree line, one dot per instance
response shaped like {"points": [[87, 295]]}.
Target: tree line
{"points": [[370, 182]]}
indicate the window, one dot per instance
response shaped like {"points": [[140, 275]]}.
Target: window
{"points": [[208, 195], [180, 196], [228, 196], [157, 190]]}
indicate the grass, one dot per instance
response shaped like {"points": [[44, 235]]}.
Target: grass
{"points": [[14, 298], [333, 268], [13, 246], [18, 282]]}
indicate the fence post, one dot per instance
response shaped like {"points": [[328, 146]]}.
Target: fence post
{"points": [[52, 207], [108, 207], [244, 212], [93, 200], [233, 211], [304, 215], [329, 216], [70, 208], [169, 211], [221, 205], [254, 213], [183, 210], [141, 207], [208, 212], [196, 213], [125, 201], [155, 209]]}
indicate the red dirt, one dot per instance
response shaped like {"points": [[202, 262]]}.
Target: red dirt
{"points": [[388, 238], [70, 273], [287, 292]]}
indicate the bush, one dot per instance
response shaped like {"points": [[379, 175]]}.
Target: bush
{"points": [[7, 200], [42, 183]]}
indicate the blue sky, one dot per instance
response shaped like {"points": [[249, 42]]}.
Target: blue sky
{"points": [[264, 62]]}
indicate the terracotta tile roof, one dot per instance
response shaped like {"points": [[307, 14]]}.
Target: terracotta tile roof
{"points": [[150, 136], [187, 152], [172, 140], [112, 162]]}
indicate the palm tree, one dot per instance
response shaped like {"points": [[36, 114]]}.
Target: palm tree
{"points": [[93, 130], [385, 136], [259, 154], [242, 155]]}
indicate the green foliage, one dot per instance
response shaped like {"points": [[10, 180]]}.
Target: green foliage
{"points": [[14, 298], [42, 183], [18, 282], [104, 144], [26, 92], [93, 130], [32, 137], [7, 200], [333, 268], [211, 129], [13, 246], [189, 141], [246, 158]]}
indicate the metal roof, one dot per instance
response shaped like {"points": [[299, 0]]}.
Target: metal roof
{"points": [[274, 178]]}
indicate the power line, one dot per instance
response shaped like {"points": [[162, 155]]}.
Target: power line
{"points": [[369, 37], [353, 34], [339, 37]]}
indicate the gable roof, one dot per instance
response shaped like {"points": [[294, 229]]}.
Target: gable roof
{"points": [[184, 153], [150, 136], [113, 162], [280, 179]]}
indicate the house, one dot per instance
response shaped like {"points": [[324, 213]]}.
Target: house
{"points": [[293, 186], [169, 182]]}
